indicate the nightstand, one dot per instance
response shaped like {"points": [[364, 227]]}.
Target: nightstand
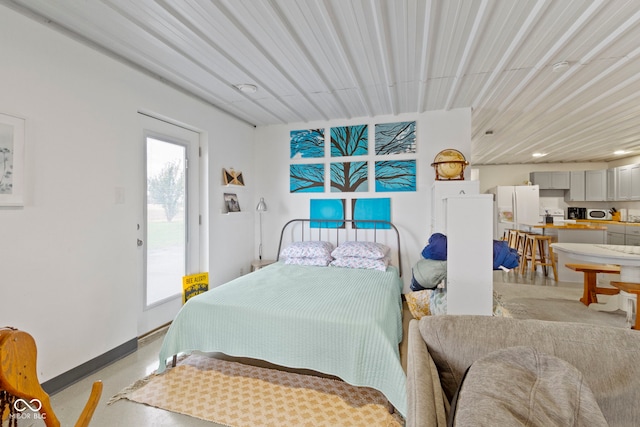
{"points": [[259, 263]]}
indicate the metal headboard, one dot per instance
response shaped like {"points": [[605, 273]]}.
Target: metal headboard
{"points": [[345, 227]]}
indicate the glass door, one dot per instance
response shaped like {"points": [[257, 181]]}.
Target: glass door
{"points": [[166, 250], [170, 227]]}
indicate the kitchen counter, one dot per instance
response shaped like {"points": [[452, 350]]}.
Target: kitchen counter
{"points": [[572, 226], [601, 221]]}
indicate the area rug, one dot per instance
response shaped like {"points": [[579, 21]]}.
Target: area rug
{"points": [[238, 395], [524, 301]]}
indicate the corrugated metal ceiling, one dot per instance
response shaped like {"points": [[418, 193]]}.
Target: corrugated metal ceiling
{"points": [[338, 59]]}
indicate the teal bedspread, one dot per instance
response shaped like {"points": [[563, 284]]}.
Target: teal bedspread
{"points": [[338, 321]]}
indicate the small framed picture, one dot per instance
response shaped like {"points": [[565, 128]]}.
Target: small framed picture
{"points": [[231, 201], [11, 160], [231, 177]]}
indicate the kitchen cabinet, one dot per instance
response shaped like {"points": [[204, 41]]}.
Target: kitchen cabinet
{"points": [[558, 180], [576, 191], [620, 234], [623, 187], [615, 238], [596, 185], [632, 235], [632, 240], [628, 182], [635, 182], [612, 193]]}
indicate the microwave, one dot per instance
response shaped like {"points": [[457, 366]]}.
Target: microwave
{"points": [[602, 214]]}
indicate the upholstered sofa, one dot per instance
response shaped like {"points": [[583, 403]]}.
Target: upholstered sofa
{"points": [[441, 348]]}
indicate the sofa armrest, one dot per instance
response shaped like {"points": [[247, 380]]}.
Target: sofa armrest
{"points": [[426, 404]]}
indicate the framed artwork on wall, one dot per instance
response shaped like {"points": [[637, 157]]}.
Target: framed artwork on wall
{"points": [[231, 202], [327, 209], [347, 177], [12, 131], [306, 143], [370, 208], [395, 175], [396, 138], [231, 177], [306, 178], [347, 141]]}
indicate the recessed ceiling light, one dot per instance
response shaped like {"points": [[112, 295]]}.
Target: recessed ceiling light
{"points": [[246, 88], [539, 154], [619, 152], [560, 66]]}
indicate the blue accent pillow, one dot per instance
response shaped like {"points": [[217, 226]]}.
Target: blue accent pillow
{"points": [[436, 248]]}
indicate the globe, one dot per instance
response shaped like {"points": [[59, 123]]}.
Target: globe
{"points": [[449, 164]]}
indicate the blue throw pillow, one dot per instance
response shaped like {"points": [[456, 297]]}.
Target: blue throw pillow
{"points": [[436, 248]]}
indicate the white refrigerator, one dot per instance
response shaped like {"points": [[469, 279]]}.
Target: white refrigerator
{"points": [[514, 206]]}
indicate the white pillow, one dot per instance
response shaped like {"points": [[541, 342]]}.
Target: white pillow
{"points": [[370, 250], [358, 262], [310, 249], [315, 261]]}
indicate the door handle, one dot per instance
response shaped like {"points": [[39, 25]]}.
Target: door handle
{"points": [[140, 242]]}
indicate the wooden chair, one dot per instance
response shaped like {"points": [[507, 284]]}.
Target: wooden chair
{"points": [[19, 380]]}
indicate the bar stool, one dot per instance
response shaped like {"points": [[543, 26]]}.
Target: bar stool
{"points": [[538, 251], [521, 241], [512, 238]]}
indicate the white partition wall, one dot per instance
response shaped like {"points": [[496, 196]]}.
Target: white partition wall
{"points": [[469, 254], [440, 190]]}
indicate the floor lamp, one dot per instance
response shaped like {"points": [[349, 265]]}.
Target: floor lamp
{"points": [[262, 207]]}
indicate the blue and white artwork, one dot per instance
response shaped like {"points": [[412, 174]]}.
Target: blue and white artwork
{"points": [[327, 209], [349, 177], [349, 141], [396, 138], [395, 175], [306, 178], [379, 209], [307, 143]]}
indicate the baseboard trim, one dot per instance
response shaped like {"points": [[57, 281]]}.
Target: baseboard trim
{"points": [[74, 375]]}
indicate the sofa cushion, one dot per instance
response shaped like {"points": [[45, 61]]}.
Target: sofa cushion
{"points": [[606, 356], [522, 386]]}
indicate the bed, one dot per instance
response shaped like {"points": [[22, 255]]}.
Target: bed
{"points": [[345, 322]]}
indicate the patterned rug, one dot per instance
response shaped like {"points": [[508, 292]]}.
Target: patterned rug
{"points": [[239, 395]]}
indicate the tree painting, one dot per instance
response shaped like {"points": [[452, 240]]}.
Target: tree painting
{"points": [[6, 159], [349, 141], [398, 175], [167, 188], [395, 138], [6, 170], [307, 143], [306, 178], [349, 177]]}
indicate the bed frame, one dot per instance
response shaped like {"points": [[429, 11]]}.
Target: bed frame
{"points": [[337, 230]]}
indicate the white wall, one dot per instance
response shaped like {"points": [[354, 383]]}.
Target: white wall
{"points": [[70, 270], [411, 211]]}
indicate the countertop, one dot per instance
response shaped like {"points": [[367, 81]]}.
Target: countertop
{"points": [[596, 221], [576, 226]]}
